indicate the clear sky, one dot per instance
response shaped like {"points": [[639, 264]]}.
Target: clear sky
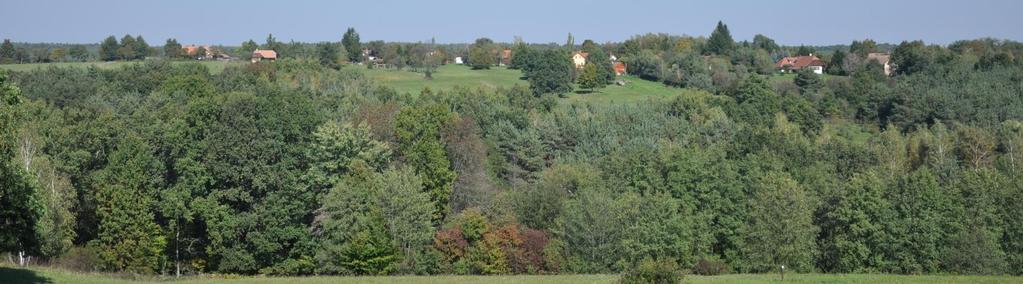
{"points": [[790, 22]]}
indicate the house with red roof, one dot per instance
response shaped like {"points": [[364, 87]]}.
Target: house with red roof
{"points": [[619, 68], [263, 54], [796, 63]]}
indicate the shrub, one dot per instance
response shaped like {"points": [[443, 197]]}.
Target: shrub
{"points": [[451, 244], [710, 266], [290, 267], [83, 259], [650, 271]]}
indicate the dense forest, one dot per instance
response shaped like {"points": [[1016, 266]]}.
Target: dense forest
{"points": [[296, 167]]}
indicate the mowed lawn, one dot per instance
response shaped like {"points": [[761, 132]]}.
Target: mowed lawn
{"points": [[46, 275], [215, 66]]}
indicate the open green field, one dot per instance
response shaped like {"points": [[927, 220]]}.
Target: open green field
{"points": [[55, 276], [215, 66], [446, 77], [449, 76]]}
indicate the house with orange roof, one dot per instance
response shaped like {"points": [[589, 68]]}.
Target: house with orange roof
{"points": [[263, 54], [796, 63]]}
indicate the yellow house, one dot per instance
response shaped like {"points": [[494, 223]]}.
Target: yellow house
{"points": [[579, 59]]}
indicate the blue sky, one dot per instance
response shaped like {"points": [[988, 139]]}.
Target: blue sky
{"points": [[790, 22]]}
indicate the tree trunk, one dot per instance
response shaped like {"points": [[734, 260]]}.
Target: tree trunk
{"points": [[177, 254]]}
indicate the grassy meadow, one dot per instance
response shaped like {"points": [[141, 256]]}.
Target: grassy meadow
{"points": [[10, 275], [449, 76]]}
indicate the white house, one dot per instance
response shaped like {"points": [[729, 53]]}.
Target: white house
{"points": [[458, 60]]}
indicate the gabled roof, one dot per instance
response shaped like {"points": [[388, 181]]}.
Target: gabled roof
{"points": [[581, 53], [264, 53], [799, 62], [506, 53], [880, 57]]}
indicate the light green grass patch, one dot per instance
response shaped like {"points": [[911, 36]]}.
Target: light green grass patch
{"points": [[445, 78]]}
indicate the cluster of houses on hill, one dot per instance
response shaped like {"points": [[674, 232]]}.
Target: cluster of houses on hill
{"points": [[815, 64], [207, 52], [784, 65]]}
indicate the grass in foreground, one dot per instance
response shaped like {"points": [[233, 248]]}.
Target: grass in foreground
{"points": [[56, 276]]}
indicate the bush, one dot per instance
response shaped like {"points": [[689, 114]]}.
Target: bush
{"points": [[83, 259], [650, 271], [710, 266]]}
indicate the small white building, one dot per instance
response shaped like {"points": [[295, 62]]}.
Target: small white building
{"points": [[458, 60]]}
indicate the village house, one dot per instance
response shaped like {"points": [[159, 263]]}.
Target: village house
{"points": [[619, 68], [263, 54], [505, 57], [797, 63], [883, 58], [209, 52], [458, 60], [579, 59]]}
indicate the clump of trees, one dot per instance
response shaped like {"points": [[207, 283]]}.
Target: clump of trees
{"points": [[129, 48]]}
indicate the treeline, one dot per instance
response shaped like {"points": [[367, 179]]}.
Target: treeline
{"points": [[293, 168], [42, 53]]}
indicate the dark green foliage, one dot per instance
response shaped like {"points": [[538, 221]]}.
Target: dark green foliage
{"points": [[763, 42], [780, 230], [910, 57], [78, 52], [522, 56], [7, 52], [589, 78], [605, 73], [129, 238], [108, 49], [550, 73], [916, 243], [720, 41], [837, 64], [419, 142], [853, 230], [20, 207], [172, 49], [807, 81], [329, 55], [653, 271], [482, 54], [646, 65], [353, 48]]}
